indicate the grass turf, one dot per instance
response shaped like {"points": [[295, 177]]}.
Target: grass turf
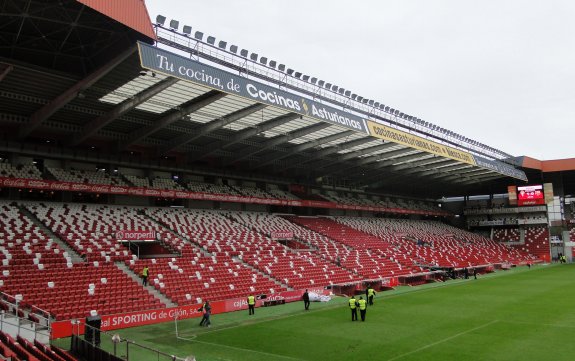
{"points": [[522, 314]]}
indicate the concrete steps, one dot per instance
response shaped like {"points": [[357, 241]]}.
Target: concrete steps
{"points": [[151, 290], [71, 252]]}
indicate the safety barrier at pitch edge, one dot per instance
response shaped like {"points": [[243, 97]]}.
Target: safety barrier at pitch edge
{"points": [[141, 318]]}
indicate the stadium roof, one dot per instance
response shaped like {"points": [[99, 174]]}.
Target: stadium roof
{"points": [[104, 106]]}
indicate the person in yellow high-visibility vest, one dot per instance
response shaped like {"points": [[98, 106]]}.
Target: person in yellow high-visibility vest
{"points": [[370, 295], [252, 304], [353, 308], [362, 305]]}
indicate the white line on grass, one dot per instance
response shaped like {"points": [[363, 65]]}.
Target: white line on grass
{"points": [[539, 324], [247, 350], [442, 341]]}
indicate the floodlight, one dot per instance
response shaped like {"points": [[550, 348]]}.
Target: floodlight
{"points": [[199, 35], [334, 88], [272, 64], [263, 60], [347, 93], [290, 71], [327, 86], [244, 53], [187, 30], [305, 77], [174, 24], [234, 49], [281, 67], [320, 83], [160, 19], [211, 40], [222, 44], [313, 80], [376, 104], [341, 91], [297, 74], [254, 57]]}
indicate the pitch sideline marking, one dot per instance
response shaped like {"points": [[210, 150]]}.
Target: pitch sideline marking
{"points": [[247, 350], [538, 324], [442, 341]]}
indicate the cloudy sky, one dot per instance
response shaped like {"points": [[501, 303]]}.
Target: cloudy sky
{"points": [[497, 71]]}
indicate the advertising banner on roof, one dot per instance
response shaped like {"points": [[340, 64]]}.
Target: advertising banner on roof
{"points": [[397, 136], [177, 66], [500, 167]]}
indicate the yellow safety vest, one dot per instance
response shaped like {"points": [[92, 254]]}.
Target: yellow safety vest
{"points": [[362, 304], [370, 292], [145, 272], [352, 303], [251, 300]]}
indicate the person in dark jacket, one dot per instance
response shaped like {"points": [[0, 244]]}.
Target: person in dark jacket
{"points": [[207, 311], [306, 300]]}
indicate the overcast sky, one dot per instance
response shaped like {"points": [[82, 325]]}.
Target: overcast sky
{"points": [[500, 72]]}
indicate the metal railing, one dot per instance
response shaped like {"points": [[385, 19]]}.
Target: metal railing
{"points": [[91, 343]]}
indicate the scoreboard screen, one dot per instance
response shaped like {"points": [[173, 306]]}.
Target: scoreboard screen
{"points": [[530, 195]]}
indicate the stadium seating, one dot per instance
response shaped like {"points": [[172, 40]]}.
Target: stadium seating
{"points": [[28, 171], [536, 242], [91, 229], [435, 244], [367, 255], [506, 235], [20, 349], [136, 181], [224, 254], [167, 183], [217, 234], [211, 188], [86, 176]]}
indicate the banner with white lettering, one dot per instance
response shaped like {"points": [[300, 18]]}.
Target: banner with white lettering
{"points": [[281, 235], [177, 66], [126, 235]]}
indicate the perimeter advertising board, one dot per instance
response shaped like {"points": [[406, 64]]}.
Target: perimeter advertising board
{"points": [[141, 318]]}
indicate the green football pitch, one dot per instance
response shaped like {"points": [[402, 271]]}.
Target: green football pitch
{"points": [[521, 314]]}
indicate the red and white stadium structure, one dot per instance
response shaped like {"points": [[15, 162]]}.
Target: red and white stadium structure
{"points": [[127, 142]]}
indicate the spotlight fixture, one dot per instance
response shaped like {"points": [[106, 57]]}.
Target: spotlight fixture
{"points": [[160, 20], [187, 30]]}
